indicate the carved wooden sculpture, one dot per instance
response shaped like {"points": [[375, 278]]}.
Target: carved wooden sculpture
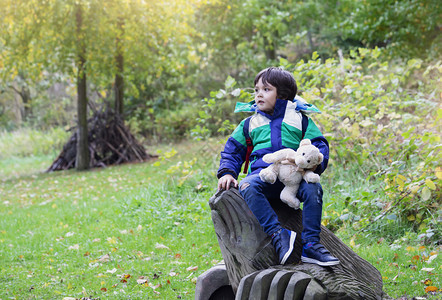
{"points": [[252, 266]]}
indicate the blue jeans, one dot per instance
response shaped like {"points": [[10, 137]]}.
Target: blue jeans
{"points": [[259, 195]]}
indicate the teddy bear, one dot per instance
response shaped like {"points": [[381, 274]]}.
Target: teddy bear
{"points": [[291, 167]]}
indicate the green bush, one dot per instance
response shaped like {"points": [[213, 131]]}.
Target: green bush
{"points": [[383, 122]]}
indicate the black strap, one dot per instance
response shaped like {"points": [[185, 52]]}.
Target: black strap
{"points": [[304, 125]]}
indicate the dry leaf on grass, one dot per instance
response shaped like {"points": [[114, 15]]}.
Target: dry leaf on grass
{"points": [[104, 259], [191, 269], [161, 246]]}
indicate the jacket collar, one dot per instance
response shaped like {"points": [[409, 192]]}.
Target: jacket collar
{"points": [[278, 111], [301, 105]]}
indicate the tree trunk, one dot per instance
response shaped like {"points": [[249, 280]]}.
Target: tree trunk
{"points": [[252, 264], [83, 156], [23, 95], [269, 49], [119, 79]]}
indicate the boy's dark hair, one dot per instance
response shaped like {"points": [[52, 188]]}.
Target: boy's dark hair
{"points": [[282, 80]]}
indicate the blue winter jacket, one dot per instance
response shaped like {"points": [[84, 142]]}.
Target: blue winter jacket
{"points": [[269, 133]]}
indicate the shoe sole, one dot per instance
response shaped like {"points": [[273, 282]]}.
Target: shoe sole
{"points": [[292, 244], [318, 262]]}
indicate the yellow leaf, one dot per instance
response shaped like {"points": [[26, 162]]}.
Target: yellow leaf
{"points": [[430, 184], [426, 193], [411, 218], [111, 240], [400, 181], [352, 243], [438, 173], [414, 189]]}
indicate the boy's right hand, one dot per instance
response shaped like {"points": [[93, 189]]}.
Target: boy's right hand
{"points": [[225, 181]]}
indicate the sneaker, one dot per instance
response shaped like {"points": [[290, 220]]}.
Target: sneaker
{"points": [[284, 243], [315, 253]]}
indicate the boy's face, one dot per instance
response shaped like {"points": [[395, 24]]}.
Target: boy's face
{"points": [[265, 96]]}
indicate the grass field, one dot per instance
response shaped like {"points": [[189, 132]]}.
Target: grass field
{"points": [[144, 231]]}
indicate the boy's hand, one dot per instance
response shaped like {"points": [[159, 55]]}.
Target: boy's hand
{"points": [[225, 181]]}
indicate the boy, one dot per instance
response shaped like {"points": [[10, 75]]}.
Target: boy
{"points": [[277, 124]]}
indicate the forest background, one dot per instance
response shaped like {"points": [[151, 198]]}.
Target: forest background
{"points": [[174, 70]]}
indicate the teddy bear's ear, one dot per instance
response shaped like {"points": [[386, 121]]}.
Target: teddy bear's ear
{"points": [[320, 158], [305, 142]]}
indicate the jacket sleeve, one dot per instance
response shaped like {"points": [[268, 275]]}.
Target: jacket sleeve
{"points": [[314, 134], [234, 153]]}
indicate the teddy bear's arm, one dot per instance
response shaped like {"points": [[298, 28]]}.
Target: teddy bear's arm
{"points": [[311, 177], [278, 156]]}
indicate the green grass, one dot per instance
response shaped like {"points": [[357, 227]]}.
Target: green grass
{"points": [[55, 227], [153, 220]]}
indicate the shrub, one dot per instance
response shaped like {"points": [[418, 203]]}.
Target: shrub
{"points": [[383, 122]]}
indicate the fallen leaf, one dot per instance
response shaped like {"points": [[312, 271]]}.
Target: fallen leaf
{"points": [[410, 249], [191, 269], [430, 289], [177, 256], [142, 280], [105, 258], [112, 271], [112, 240], [103, 289], [432, 257], [74, 247], [427, 269], [96, 240], [87, 253], [415, 258], [69, 234], [161, 246]]}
